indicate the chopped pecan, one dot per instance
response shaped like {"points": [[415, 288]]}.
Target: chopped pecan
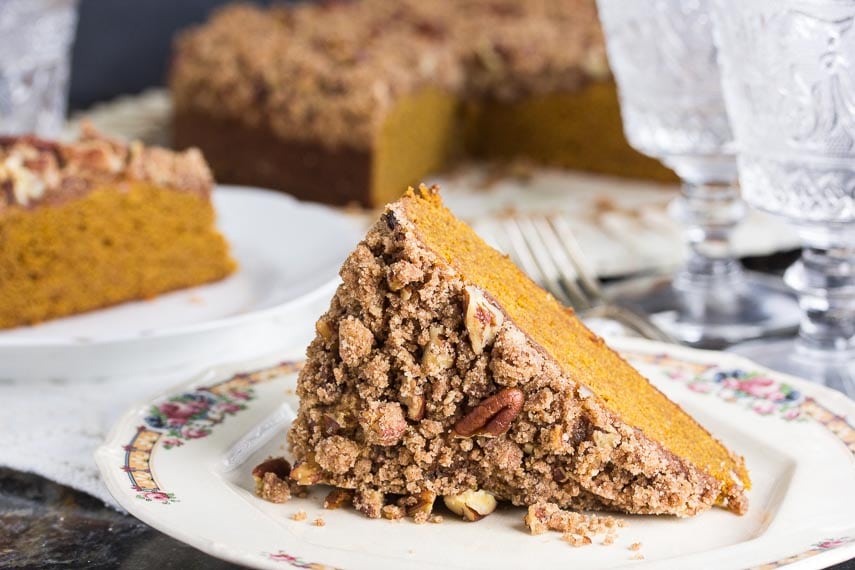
{"points": [[415, 406], [420, 506], [412, 396], [271, 480], [493, 416], [306, 472], [471, 505], [482, 319], [338, 498], [384, 423], [277, 465], [329, 425], [392, 512], [323, 328], [369, 502], [438, 355], [26, 185]]}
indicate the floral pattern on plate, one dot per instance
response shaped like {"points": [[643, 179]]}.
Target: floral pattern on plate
{"points": [[816, 548], [187, 416], [193, 415], [687, 370], [753, 389], [296, 561]]}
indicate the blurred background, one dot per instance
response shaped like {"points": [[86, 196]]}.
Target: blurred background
{"points": [[123, 46]]}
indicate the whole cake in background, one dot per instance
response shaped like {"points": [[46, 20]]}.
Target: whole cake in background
{"points": [[349, 101], [440, 369], [96, 222]]}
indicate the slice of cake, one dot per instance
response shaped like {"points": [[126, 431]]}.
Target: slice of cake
{"points": [[441, 369], [351, 101], [96, 222]]}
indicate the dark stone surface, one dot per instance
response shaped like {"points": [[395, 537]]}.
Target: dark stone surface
{"points": [[46, 525]]}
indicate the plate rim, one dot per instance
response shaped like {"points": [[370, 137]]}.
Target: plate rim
{"points": [[105, 453], [220, 323]]}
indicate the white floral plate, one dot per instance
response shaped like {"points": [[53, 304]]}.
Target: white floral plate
{"points": [[182, 464], [288, 253]]}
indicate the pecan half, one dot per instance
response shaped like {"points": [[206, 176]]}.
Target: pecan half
{"points": [[493, 416]]}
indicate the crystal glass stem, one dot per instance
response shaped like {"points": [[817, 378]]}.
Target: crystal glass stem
{"points": [[824, 279], [664, 62], [788, 80], [709, 212]]}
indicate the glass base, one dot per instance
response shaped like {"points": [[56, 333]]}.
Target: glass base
{"points": [[751, 306], [833, 369]]}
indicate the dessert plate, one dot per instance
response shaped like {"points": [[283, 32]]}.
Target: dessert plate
{"points": [[182, 463], [288, 253]]}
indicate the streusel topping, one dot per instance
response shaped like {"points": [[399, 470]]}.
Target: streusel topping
{"points": [[34, 171], [330, 70]]}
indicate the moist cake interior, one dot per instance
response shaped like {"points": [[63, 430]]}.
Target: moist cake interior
{"points": [[93, 223]]}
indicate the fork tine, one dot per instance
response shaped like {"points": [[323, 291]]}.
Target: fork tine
{"points": [[586, 273], [551, 276], [521, 250], [557, 255], [539, 247]]}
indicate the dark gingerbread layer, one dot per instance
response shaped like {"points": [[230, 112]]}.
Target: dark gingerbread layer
{"points": [[308, 170]]}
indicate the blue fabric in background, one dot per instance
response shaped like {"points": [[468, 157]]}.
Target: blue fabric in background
{"points": [[124, 46]]}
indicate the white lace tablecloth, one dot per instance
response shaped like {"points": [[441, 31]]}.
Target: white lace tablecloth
{"points": [[52, 428]]}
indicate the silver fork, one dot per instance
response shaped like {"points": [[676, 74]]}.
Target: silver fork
{"points": [[545, 248]]}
